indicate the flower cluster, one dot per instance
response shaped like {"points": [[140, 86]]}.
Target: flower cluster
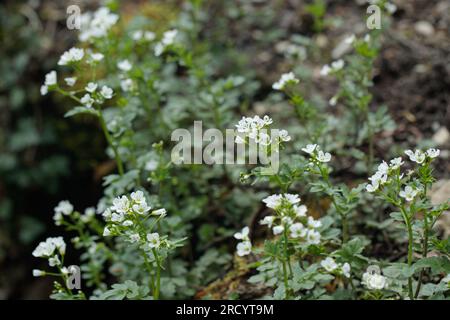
{"points": [[374, 280], [244, 247], [291, 218], [71, 56], [256, 129], [50, 82], [64, 208], [335, 67], [54, 250], [167, 40], [97, 24], [419, 156], [380, 177], [94, 95], [126, 216], [332, 266], [286, 79], [316, 154]]}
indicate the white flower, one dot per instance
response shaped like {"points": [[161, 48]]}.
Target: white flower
{"points": [[243, 235], [383, 168], [127, 223], [167, 40], [350, 39], [396, 163], [151, 165], [138, 196], [106, 232], [244, 248], [313, 237], [329, 264], [333, 101], [323, 157], [372, 187], [54, 261], [124, 65], [97, 24], [297, 230], [337, 65], [106, 92], [121, 204], [268, 220], [346, 270], [286, 78], [91, 87], [309, 148], [149, 36], [43, 90], [292, 198], [70, 81], [38, 273], [141, 208], [64, 207], [126, 84], [97, 57], [374, 281], [273, 201], [284, 135], [300, 211], [48, 247], [117, 217], [325, 70], [137, 35], [409, 193], [160, 212], [314, 224], [87, 101], [89, 213], [390, 7], [417, 156], [367, 38], [153, 240], [433, 153], [134, 237], [70, 56], [277, 230], [50, 78]]}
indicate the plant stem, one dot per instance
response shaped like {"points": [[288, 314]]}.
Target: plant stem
{"points": [[158, 276], [425, 247]]}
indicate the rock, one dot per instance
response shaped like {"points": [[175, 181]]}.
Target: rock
{"points": [[424, 28], [440, 193], [441, 137]]}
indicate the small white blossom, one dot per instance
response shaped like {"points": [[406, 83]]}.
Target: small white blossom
{"points": [[243, 235], [314, 224], [134, 237], [153, 240], [277, 230], [409, 193], [346, 270], [91, 87], [374, 281], [38, 273], [433, 153], [106, 232], [287, 78], [126, 84], [124, 65], [97, 24], [329, 264], [396, 163], [70, 56], [313, 237], [106, 92], [141, 208], [121, 204], [310, 148], [244, 248], [300, 211], [64, 207], [273, 201], [297, 230], [416, 156], [70, 81], [350, 39], [268, 220], [323, 157], [138, 196], [167, 40], [97, 57], [87, 100], [159, 212]]}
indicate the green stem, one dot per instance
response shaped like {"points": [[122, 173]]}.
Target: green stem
{"points": [[425, 247], [158, 276]]}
